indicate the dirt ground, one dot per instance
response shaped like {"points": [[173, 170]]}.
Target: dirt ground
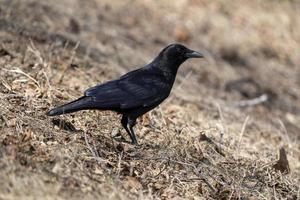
{"points": [[229, 130]]}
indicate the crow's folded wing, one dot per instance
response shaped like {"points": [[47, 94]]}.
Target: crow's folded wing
{"points": [[130, 92]]}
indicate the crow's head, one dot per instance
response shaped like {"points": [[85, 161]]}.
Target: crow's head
{"points": [[174, 55]]}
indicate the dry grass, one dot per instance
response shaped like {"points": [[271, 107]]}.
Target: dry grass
{"points": [[207, 141]]}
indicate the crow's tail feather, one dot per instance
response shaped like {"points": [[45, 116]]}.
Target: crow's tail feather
{"points": [[79, 104]]}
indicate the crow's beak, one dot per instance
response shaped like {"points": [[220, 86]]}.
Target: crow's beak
{"points": [[194, 54]]}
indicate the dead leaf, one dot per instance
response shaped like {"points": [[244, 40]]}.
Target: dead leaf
{"points": [[129, 21], [27, 135], [11, 122], [132, 183], [145, 120], [282, 164], [10, 140], [31, 90], [74, 26], [182, 34], [98, 171], [170, 193]]}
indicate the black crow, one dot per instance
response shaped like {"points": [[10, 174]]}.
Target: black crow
{"points": [[136, 92]]}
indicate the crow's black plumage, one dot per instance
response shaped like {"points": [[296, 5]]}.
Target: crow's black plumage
{"points": [[136, 92]]}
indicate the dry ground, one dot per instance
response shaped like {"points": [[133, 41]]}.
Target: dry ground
{"points": [[218, 135]]}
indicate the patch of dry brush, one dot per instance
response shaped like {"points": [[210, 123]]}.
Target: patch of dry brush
{"points": [[196, 145]]}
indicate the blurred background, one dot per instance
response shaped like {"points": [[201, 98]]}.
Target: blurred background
{"points": [[251, 47], [51, 51]]}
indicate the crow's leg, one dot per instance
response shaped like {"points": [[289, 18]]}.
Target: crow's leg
{"points": [[128, 124], [131, 124]]}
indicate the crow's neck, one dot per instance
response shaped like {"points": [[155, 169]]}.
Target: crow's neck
{"points": [[168, 66]]}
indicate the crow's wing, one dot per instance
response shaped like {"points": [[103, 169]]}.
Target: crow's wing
{"points": [[135, 89]]}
